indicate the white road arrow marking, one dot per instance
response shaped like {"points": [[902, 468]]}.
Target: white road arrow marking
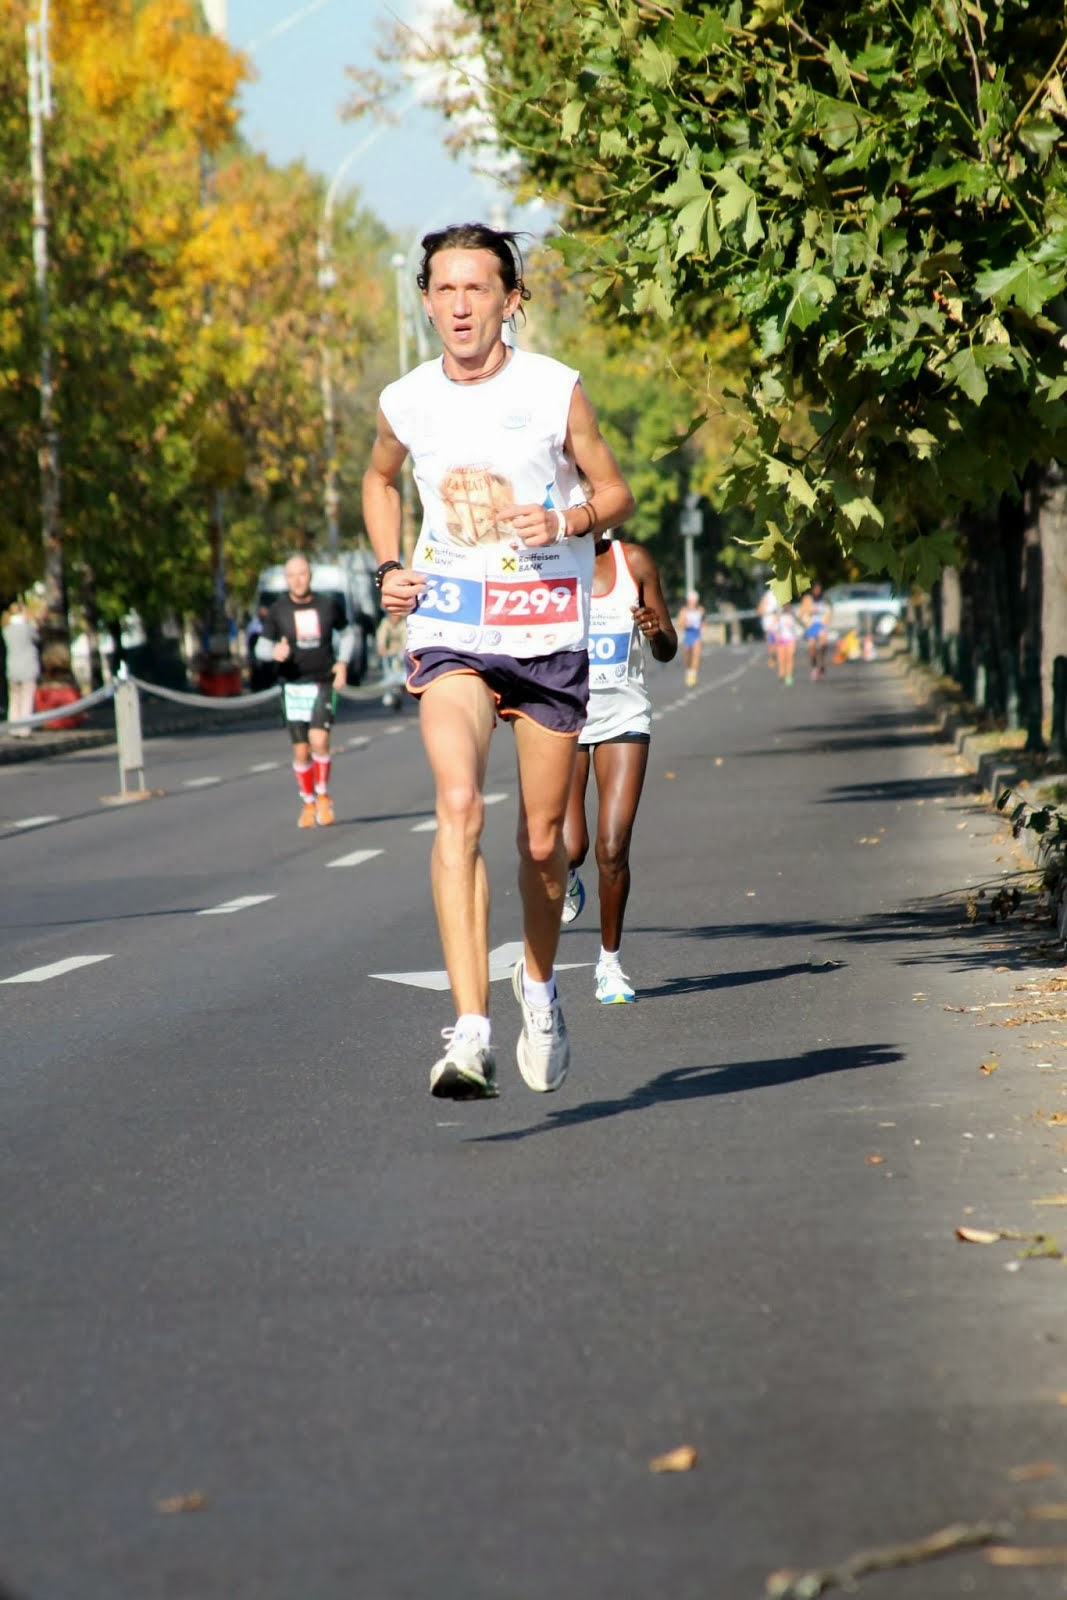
{"points": [[55, 970], [356, 859], [501, 962], [242, 904]]}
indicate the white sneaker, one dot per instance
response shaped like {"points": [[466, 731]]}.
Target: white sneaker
{"points": [[613, 987], [466, 1071], [574, 897], [544, 1051]]}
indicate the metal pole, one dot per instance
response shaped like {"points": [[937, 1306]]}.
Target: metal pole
{"points": [[331, 498], [403, 361], [55, 632]]}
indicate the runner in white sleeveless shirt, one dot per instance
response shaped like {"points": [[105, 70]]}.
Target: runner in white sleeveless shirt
{"points": [[497, 600], [628, 611]]}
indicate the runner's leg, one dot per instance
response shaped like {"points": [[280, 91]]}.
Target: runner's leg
{"points": [[620, 776], [575, 827], [456, 715], [546, 766]]}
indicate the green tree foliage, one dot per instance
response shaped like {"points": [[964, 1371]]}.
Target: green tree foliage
{"points": [[878, 192]]}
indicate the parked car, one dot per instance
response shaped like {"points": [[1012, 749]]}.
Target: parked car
{"points": [[868, 607], [330, 577]]}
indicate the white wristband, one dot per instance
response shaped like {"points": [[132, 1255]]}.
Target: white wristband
{"points": [[561, 527]]}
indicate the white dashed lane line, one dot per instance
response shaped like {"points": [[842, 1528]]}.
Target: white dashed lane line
{"points": [[199, 783], [265, 766], [33, 822], [241, 904], [55, 970], [356, 858]]}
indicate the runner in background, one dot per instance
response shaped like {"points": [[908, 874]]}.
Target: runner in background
{"points": [[814, 613], [786, 633], [690, 626], [298, 634], [627, 611], [767, 610]]}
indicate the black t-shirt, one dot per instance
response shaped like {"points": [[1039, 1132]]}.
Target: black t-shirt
{"points": [[309, 626]]}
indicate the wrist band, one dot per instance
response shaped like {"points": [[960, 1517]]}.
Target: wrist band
{"points": [[587, 506], [561, 527]]}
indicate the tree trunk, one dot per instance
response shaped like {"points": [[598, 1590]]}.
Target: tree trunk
{"points": [[1050, 515]]}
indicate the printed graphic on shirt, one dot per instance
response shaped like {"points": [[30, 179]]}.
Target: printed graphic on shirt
{"points": [[308, 627], [472, 497]]}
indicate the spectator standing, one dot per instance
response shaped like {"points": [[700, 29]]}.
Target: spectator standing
{"points": [[23, 665]]}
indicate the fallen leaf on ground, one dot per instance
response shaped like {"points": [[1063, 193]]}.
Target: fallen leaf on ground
{"points": [[1058, 1117], [988, 1066], [1052, 1200], [681, 1459], [1011, 1555], [718, 761], [977, 1235], [1048, 1513], [670, 774], [875, 1161], [176, 1503], [1031, 1471]]}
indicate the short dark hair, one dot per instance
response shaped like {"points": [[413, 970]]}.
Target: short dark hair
{"points": [[476, 236]]}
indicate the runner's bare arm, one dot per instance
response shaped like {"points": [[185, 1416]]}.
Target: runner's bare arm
{"points": [[382, 516], [651, 616], [609, 502]]}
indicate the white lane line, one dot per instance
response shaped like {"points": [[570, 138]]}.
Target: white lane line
{"points": [[199, 783], [359, 741], [33, 822], [396, 727], [55, 970], [356, 859], [265, 766], [495, 799], [242, 904]]}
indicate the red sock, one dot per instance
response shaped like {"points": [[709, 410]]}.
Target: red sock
{"points": [[321, 765], [305, 782]]}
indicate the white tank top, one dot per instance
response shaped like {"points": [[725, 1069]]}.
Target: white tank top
{"points": [[474, 448], [618, 700]]}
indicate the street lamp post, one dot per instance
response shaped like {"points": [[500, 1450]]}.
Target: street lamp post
{"points": [[55, 631], [690, 526]]}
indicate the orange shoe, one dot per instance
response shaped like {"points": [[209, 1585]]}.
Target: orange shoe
{"points": [[307, 815], [323, 810]]}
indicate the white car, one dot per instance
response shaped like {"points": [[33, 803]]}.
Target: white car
{"points": [[867, 607]]}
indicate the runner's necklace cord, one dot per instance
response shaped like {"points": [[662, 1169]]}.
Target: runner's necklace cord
{"points": [[480, 377]]}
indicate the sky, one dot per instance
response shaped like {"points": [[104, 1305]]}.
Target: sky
{"points": [[300, 49]]}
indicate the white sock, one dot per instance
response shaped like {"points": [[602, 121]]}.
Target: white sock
{"points": [[471, 1026], [538, 994], [608, 958]]}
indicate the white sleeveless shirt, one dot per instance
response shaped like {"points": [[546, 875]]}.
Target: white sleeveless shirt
{"points": [[475, 448], [618, 700]]}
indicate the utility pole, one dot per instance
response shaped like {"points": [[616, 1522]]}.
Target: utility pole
{"points": [[55, 630], [690, 526]]}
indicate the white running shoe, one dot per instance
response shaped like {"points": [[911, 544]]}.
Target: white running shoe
{"points": [[466, 1071], [543, 1049], [574, 896], [613, 987]]}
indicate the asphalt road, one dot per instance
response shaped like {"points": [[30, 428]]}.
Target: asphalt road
{"points": [[405, 1348]]}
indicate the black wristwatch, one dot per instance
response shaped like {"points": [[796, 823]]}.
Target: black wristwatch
{"points": [[387, 566]]}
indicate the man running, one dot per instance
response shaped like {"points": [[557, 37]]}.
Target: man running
{"points": [[627, 611], [298, 634], [691, 625], [815, 613], [497, 600]]}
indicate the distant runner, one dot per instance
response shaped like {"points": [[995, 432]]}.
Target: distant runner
{"points": [[691, 627], [298, 634], [628, 610]]}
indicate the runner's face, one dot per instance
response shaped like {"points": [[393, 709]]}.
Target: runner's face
{"points": [[468, 302], [298, 577]]}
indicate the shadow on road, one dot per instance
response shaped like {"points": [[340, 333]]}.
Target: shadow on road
{"points": [[698, 983], [698, 1083]]}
